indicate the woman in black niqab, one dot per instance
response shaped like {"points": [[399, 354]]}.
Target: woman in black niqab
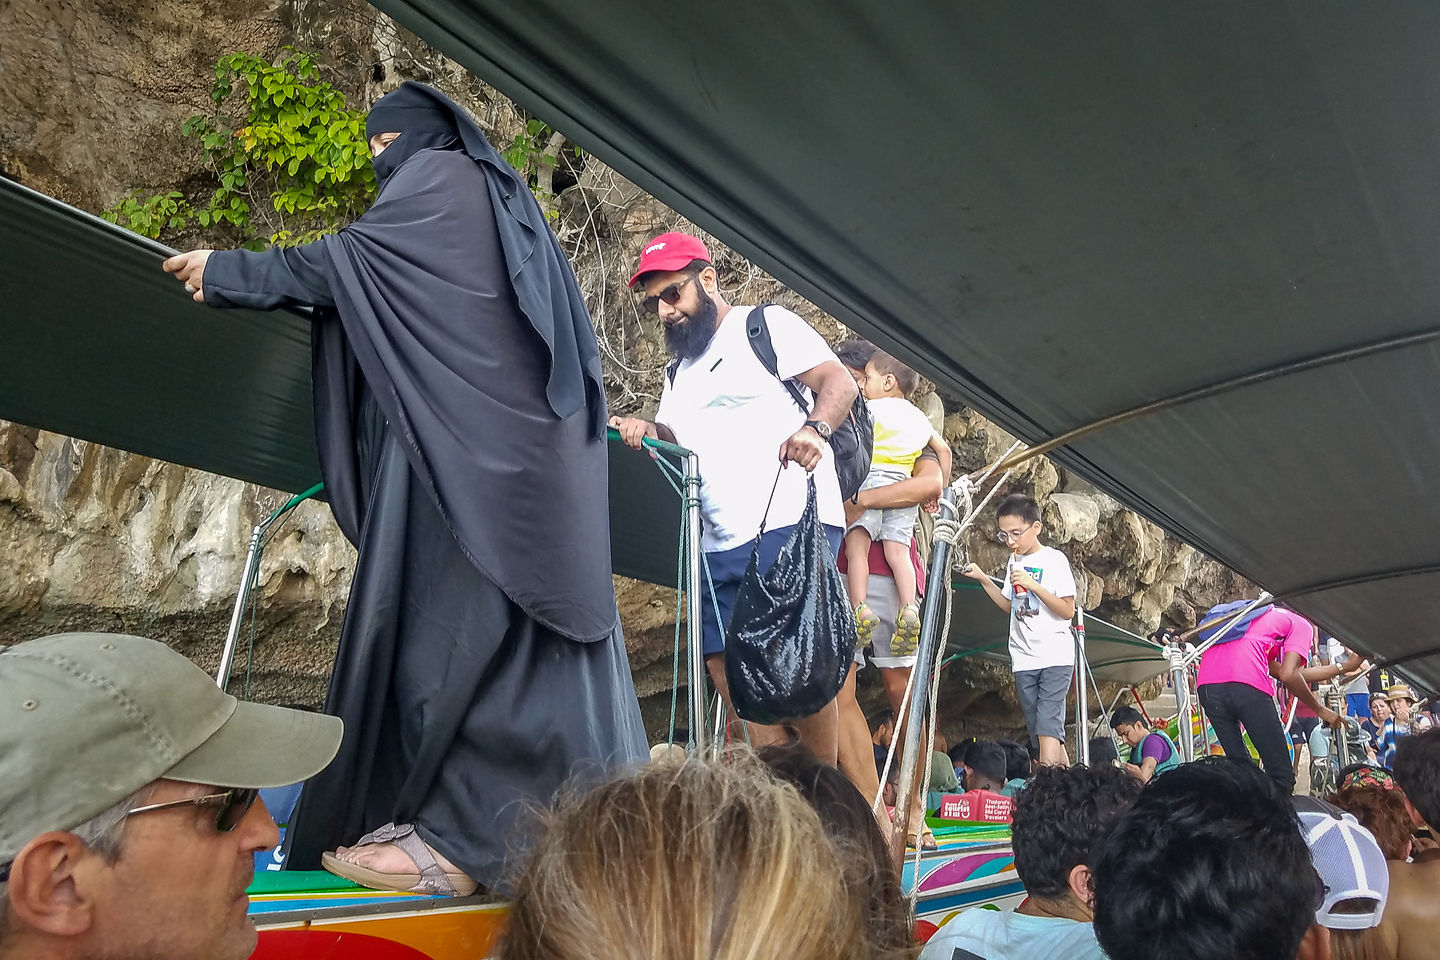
{"points": [[460, 417]]}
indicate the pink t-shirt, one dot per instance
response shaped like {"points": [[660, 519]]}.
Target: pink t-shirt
{"points": [[1247, 660]]}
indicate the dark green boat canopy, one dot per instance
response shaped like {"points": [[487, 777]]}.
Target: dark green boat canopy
{"points": [[1060, 212]]}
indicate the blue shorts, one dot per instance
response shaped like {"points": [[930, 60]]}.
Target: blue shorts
{"points": [[727, 569], [1359, 704]]}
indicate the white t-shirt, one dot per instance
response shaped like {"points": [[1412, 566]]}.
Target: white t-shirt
{"points": [[1038, 638], [995, 935], [727, 408]]}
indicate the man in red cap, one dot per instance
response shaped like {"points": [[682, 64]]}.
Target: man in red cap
{"points": [[721, 402]]}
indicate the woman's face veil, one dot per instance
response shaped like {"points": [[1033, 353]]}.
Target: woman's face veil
{"points": [[421, 122]]}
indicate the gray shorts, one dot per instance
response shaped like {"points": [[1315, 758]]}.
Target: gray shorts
{"points": [[1042, 699], [884, 602], [896, 524]]}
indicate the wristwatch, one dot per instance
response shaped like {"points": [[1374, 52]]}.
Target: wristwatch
{"points": [[820, 427]]}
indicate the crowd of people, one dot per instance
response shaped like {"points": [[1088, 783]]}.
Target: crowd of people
{"points": [[129, 820]]}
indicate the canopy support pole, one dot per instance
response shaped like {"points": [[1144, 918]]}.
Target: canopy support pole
{"points": [[694, 601], [232, 635], [1108, 712], [1082, 693], [248, 578], [920, 673], [1184, 706], [948, 531], [1264, 375]]}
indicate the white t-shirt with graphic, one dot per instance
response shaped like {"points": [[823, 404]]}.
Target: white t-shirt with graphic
{"points": [[727, 408], [1039, 638]]}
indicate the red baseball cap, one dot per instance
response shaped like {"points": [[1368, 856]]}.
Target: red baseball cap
{"points": [[670, 251]]}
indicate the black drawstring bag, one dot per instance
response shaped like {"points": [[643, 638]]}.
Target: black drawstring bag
{"points": [[791, 636]]}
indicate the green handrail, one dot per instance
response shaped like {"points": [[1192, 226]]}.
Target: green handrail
{"points": [[654, 444]]}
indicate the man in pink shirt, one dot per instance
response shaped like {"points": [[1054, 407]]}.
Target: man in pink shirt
{"points": [[1237, 688]]}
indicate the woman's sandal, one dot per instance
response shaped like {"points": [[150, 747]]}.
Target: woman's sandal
{"points": [[865, 622], [926, 841], [907, 631], [432, 878]]}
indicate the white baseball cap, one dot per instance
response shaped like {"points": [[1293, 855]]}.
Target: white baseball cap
{"points": [[1351, 867]]}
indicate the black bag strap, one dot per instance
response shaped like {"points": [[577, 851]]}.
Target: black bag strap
{"points": [[768, 503], [757, 331], [765, 517]]}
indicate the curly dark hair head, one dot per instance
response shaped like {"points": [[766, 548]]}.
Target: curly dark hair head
{"points": [[1058, 819], [1209, 862], [1417, 770]]}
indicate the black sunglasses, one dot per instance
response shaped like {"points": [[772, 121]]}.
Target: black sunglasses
{"points": [[670, 295], [234, 805]]}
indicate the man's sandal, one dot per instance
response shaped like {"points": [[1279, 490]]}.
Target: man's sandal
{"points": [[925, 841], [907, 631], [865, 622], [432, 878]]}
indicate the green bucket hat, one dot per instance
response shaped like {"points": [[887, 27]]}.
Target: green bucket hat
{"points": [[86, 719]]}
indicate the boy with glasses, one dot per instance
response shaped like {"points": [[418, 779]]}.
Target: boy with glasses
{"points": [[1039, 594]]}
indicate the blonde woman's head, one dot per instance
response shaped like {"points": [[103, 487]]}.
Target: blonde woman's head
{"points": [[685, 861]]}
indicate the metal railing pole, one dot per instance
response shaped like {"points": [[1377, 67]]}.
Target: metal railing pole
{"points": [[1082, 693], [694, 600], [920, 679], [232, 635], [1184, 708]]}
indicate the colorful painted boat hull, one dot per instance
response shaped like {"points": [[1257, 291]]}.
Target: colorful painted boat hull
{"points": [[359, 924], [962, 874]]}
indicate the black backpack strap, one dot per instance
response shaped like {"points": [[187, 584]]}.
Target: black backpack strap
{"points": [[757, 331]]}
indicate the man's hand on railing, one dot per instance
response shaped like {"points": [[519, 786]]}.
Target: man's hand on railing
{"points": [[634, 431]]}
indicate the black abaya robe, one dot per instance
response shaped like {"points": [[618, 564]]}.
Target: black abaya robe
{"points": [[481, 661]]}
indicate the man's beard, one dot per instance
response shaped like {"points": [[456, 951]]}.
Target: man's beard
{"points": [[689, 338]]}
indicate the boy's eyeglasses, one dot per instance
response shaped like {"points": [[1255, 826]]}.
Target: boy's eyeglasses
{"points": [[670, 295], [1006, 536], [234, 804]]}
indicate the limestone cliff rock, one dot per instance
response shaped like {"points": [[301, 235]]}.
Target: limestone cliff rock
{"points": [[92, 98]]}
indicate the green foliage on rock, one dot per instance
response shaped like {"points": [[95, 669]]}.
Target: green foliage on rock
{"points": [[290, 160]]}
